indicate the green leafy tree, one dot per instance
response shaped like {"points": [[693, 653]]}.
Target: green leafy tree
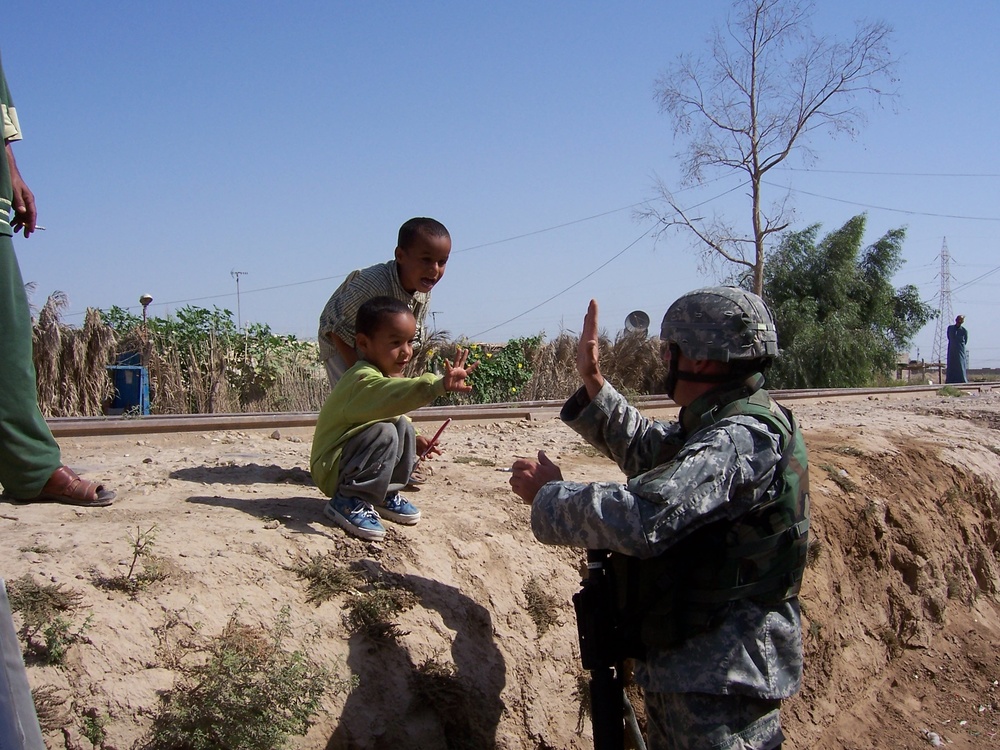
{"points": [[840, 321], [120, 319]]}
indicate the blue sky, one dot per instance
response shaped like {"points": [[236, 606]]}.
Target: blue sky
{"points": [[170, 144]]}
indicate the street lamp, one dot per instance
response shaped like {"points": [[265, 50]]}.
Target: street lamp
{"points": [[145, 300]]}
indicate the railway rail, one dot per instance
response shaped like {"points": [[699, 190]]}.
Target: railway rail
{"points": [[164, 423]]}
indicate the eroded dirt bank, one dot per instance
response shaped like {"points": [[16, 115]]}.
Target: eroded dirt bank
{"points": [[901, 600]]}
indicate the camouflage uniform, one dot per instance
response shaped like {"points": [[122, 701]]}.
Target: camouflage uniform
{"points": [[720, 472]]}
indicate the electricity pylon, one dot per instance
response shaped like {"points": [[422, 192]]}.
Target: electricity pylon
{"points": [[944, 309]]}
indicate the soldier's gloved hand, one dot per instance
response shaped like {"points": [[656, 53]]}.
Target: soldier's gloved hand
{"points": [[527, 476]]}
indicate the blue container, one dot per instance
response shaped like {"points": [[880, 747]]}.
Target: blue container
{"points": [[131, 389]]}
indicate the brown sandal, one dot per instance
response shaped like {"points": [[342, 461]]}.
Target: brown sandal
{"points": [[64, 486]]}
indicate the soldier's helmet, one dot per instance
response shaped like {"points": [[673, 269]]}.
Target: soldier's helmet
{"points": [[721, 323]]}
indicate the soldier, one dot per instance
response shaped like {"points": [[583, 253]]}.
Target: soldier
{"points": [[708, 535]]}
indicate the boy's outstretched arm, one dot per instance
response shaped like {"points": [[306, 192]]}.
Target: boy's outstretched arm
{"points": [[455, 374]]}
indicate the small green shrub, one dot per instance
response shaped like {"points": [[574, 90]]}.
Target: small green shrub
{"points": [[840, 479], [135, 581], [42, 608], [950, 391], [372, 612], [849, 450], [327, 577], [93, 727], [242, 690], [58, 636], [501, 372]]}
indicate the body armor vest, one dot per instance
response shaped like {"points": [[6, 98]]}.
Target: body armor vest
{"points": [[759, 556]]}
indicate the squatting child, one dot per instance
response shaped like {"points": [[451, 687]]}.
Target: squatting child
{"points": [[364, 448], [422, 251]]}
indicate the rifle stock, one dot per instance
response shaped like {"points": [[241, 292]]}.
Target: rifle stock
{"points": [[595, 618]]}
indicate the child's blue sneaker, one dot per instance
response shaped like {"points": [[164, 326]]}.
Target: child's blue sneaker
{"points": [[356, 517], [397, 508]]}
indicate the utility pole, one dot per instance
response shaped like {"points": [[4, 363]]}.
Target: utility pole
{"points": [[236, 275], [944, 310]]}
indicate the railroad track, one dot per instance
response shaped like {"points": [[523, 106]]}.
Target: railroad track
{"points": [[161, 423]]}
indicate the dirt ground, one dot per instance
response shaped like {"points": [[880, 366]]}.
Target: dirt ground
{"points": [[900, 602]]}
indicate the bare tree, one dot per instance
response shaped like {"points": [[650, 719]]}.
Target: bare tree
{"points": [[767, 84]]}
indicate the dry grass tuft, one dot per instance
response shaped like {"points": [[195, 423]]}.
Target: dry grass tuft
{"points": [[542, 606], [50, 707], [327, 577], [372, 613]]}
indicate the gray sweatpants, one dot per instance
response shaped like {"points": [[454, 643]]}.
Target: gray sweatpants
{"points": [[377, 461]]}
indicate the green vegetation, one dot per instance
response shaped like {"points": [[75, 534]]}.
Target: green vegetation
{"points": [[327, 577], [840, 324], [501, 372], [152, 567], [840, 478], [242, 690], [201, 362], [950, 391], [840, 321], [93, 727], [46, 631], [372, 612]]}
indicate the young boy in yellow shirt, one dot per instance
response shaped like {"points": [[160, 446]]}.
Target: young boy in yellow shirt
{"points": [[364, 447]]}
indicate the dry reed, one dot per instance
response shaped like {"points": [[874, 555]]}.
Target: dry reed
{"points": [[216, 375]]}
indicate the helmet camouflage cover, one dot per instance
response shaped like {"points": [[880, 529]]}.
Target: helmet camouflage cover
{"points": [[721, 323]]}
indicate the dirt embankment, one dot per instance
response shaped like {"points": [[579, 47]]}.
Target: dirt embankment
{"points": [[900, 600]]}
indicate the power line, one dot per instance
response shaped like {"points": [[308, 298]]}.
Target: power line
{"points": [[881, 208], [976, 280], [574, 284], [549, 229], [886, 174]]}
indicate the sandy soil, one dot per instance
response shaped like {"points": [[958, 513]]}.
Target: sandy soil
{"points": [[900, 602]]}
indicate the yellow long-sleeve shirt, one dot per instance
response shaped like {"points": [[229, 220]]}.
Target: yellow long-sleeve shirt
{"points": [[361, 398]]}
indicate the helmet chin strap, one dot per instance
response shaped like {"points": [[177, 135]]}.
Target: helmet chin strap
{"points": [[674, 375]]}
